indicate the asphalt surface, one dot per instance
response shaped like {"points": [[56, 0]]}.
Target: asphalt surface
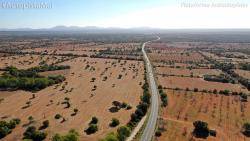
{"points": [[149, 130]]}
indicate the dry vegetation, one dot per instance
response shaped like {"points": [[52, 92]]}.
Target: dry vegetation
{"points": [[100, 74], [204, 81]]}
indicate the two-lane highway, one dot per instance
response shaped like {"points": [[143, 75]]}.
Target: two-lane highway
{"points": [[149, 130]]}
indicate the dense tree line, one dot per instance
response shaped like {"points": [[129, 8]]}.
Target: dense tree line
{"points": [[228, 69], [163, 96], [48, 68], [245, 66], [242, 80], [225, 67], [223, 78], [29, 80]]}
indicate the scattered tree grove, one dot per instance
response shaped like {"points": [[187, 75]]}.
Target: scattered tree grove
{"points": [[6, 127]]}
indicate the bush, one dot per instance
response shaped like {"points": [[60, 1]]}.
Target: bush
{"points": [[110, 137], [124, 105], [212, 133], [58, 116], [72, 135], [160, 87], [94, 120], [6, 127], [196, 89], [34, 135], [246, 129], [158, 133], [4, 131], [75, 110], [123, 132], [129, 107], [201, 129], [114, 122], [91, 129], [44, 125]]}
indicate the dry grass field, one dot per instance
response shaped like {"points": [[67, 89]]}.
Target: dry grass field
{"points": [[83, 95], [180, 68], [28, 61], [243, 73], [181, 82], [186, 72]]}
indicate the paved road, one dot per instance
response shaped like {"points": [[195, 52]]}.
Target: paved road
{"points": [[149, 130]]}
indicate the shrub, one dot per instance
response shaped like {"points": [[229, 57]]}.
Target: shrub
{"points": [[196, 89], [58, 116], [110, 137], [158, 133], [212, 133], [120, 76], [117, 104], [124, 105], [75, 110], [4, 131], [31, 119], [44, 125], [201, 129], [246, 129], [6, 127], [72, 135], [160, 87], [33, 134], [94, 120], [114, 122], [129, 107], [91, 129], [123, 132]]}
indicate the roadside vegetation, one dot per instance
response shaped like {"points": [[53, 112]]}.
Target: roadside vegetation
{"points": [[124, 131]]}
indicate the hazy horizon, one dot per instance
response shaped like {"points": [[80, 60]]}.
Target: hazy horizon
{"points": [[218, 14]]}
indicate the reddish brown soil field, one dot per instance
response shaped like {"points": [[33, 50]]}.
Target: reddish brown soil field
{"points": [[186, 72], [191, 83], [79, 89], [225, 114], [177, 57], [28, 61], [243, 73]]}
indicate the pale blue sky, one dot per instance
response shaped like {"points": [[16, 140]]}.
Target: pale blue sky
{"points": [[120, 13]]}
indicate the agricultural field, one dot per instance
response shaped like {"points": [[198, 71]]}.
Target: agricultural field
{"points": [[203, 81], [28, 61], [225, 114], [90, 88]]}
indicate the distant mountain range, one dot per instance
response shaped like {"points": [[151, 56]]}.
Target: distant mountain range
{"points": [[95, 29], [77, 28]]}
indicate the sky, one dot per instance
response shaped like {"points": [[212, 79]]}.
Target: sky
{"points": [[169, 14]]}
